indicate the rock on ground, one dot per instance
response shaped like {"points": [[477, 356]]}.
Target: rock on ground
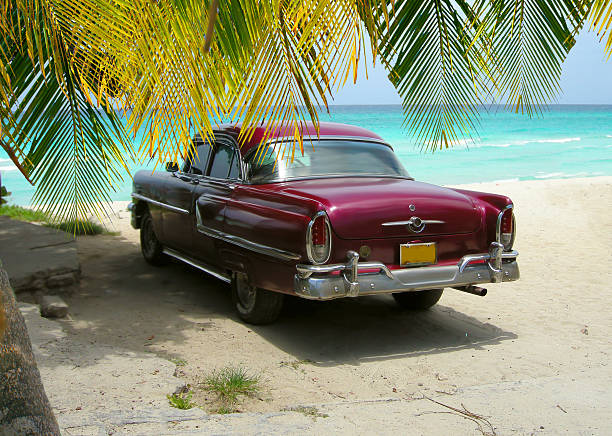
{"points": [[52, 306]]}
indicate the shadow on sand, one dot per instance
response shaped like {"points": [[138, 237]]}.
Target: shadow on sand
{"points": [[351, 331], [165, 302]]}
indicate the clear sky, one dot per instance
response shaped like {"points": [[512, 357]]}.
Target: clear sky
{"points": [[586, 79]]}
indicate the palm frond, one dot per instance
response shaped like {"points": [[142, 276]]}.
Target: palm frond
{"points": [[69, 149], [268, 61], [601, 22], [530, 39], [427, 48]]}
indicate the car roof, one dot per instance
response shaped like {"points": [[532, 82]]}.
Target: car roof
{"points": [[278, 130]]}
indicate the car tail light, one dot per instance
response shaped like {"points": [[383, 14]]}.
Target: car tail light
{"points": [[506, 228], [318, 239]]}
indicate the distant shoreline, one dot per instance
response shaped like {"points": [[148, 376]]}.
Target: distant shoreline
{"points": [[488, 186]]}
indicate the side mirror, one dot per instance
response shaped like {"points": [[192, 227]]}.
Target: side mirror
{"points": [[172, 167]]}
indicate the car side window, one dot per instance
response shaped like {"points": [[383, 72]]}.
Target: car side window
{"points": [[222, 161], [235, 167], [200, 162]]}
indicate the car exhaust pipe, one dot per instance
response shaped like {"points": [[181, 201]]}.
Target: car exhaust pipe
{"points": [[471, 289]]}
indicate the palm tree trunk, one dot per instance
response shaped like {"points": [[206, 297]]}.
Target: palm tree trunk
{"points": [[24, 407]]}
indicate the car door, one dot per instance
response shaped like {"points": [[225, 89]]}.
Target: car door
{"points": [[178, 221], [211, 196]]}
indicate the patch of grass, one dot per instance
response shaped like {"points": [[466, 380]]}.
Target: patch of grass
{"points": [[311, 411], [181, 401], [75, 227], [229, 384], [23, 214]]}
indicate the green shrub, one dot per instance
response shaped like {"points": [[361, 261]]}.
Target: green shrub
{"points": [[229, 383], [181, 401], [78, 227], [3, 193]]}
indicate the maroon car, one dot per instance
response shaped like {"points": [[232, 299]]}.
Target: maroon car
{"points": [[341, 219]]}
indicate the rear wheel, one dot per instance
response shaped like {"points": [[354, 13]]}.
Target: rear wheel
{"points": [[420, 300], [152, 249], [255, 305]]}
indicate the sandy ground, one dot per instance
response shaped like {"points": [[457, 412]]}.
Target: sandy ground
{"points": [[554, 322]]}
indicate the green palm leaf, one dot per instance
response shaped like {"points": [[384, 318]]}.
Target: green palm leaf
{"points": [[71, 150], [530, 40], [601, 22], [441, 78]]}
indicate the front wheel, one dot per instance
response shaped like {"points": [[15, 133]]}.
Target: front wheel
{"points": [[152, 249], [419, 300], [255, 305]]}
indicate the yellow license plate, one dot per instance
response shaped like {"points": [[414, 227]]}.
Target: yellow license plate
{"points": [[418, 254]]}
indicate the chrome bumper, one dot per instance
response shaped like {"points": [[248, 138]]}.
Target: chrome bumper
{"points": [[316, 283]]}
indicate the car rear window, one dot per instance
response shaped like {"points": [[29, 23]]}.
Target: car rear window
{"points": [[323, 158]]}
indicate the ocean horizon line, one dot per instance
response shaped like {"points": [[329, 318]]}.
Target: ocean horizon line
{"points": [[481, 105]]}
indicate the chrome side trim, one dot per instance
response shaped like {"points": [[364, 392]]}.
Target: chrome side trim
{"points": [[309, 238], [215, 272], [244, 243], [160, 204]]}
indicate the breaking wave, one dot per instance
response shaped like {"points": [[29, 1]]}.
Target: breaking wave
{"points": [[560, 175], [558, 140], [527, 141]]}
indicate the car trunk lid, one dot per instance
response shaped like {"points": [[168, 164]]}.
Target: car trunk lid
{"points": [[379, 207]]}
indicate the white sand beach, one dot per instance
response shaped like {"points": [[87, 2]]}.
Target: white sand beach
{"points": [[554, 322]]}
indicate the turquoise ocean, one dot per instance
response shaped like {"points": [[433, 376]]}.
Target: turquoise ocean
{"points": [[566, 141]]}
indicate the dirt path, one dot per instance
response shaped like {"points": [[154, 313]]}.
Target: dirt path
{"points": [[551, 322]]}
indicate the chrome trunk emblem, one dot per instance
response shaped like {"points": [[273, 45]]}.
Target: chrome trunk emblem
{"points": [[412, 208], [416, 224]]}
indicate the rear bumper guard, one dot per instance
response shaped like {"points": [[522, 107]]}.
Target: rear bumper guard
{"points": [[316, 282]]}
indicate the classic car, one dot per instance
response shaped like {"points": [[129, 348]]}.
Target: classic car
{"points": [[342, 218]]}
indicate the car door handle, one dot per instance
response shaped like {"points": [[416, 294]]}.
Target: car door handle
{"points": [[195, 181]]}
